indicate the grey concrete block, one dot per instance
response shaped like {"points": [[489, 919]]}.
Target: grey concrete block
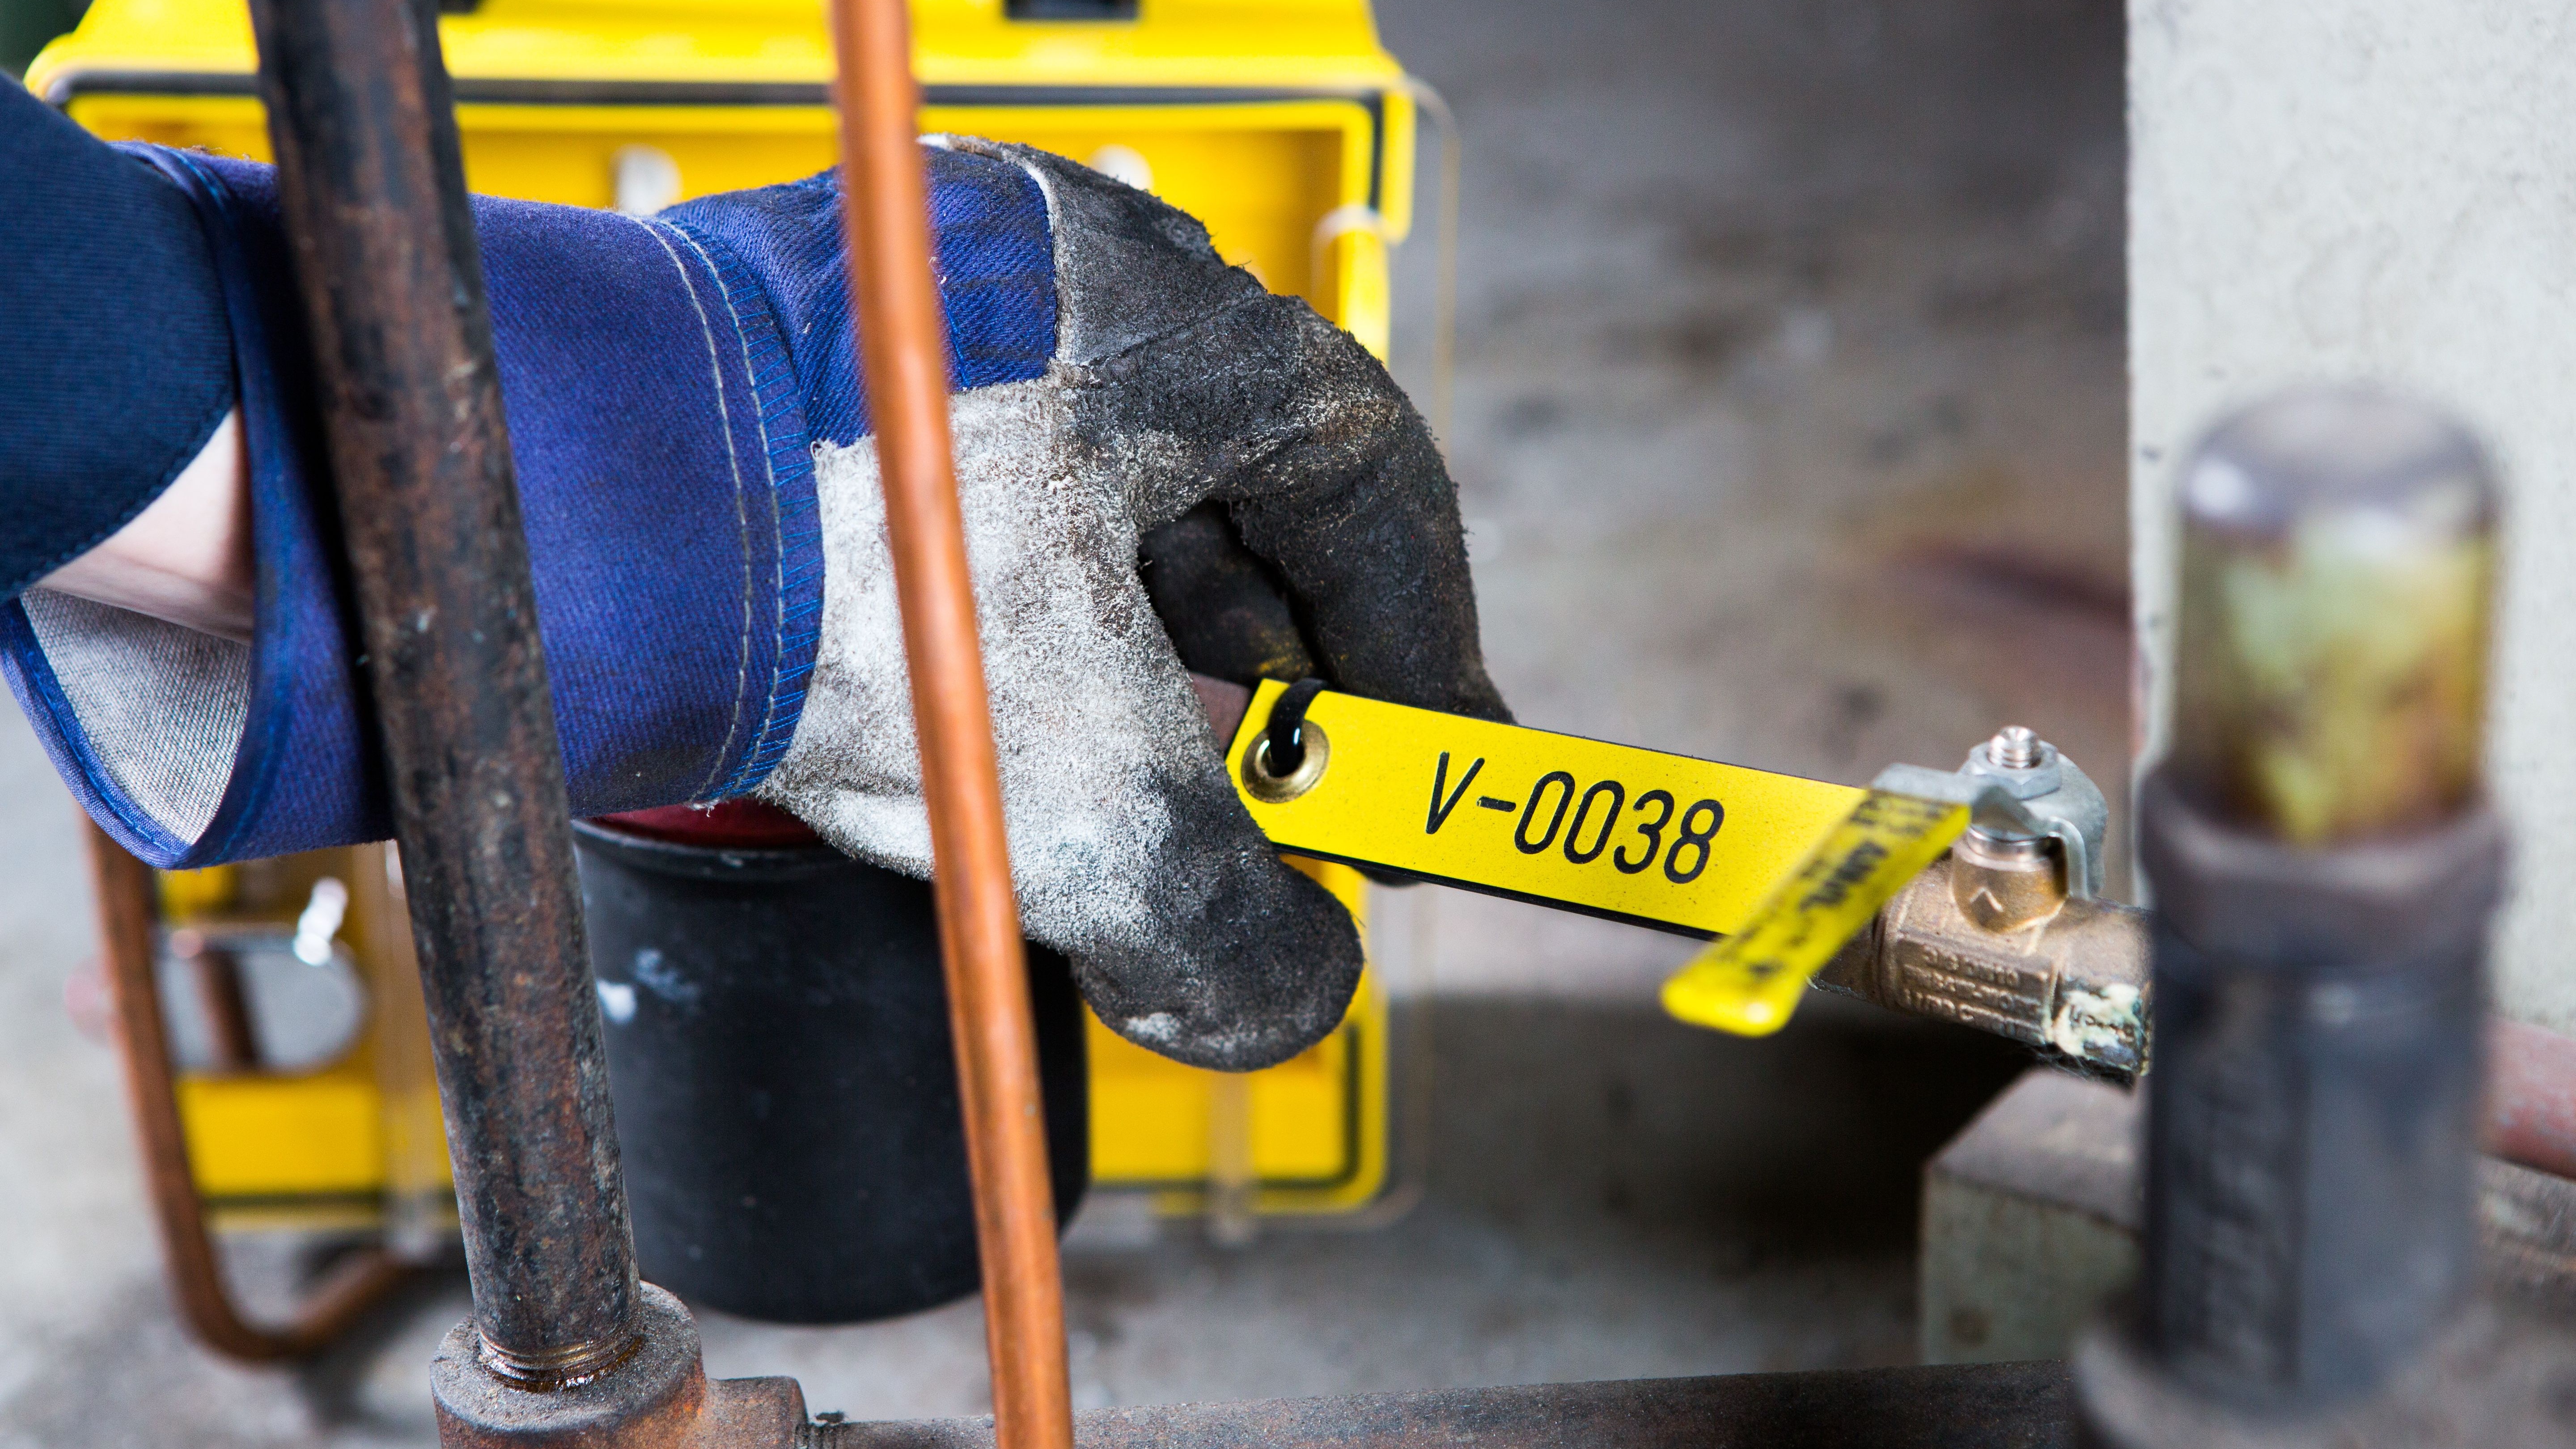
{"points": [[2032, 1219]]}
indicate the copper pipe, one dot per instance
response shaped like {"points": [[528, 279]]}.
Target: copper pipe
{"points": [[125, 920], [903, 344]]}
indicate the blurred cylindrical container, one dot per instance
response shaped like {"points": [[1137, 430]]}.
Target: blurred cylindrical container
{"points": [[780, 1060]]}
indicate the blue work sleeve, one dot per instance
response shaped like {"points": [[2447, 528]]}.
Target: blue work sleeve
{"points": [[118, 363], [662, 378]]}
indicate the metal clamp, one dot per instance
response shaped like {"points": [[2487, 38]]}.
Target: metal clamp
{"points": [[2022, 788]]}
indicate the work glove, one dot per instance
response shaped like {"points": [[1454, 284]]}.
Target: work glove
{"points": [[715, 591], [1176, 380]]}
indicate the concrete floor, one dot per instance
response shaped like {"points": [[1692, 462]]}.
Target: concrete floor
{"points": [[1790, 418]]}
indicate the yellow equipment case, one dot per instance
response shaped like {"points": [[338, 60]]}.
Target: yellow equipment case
{"points": [[1282, 124]]}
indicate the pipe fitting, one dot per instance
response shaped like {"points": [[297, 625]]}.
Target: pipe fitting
{"points": [[2325, 869], [2071, 985], [659, 1396]]}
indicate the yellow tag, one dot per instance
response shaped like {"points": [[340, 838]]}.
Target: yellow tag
{"points": [[1636, 835], [1749, 983]]}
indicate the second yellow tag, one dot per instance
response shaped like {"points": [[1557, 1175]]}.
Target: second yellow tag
{"points": [[1750, 982]]}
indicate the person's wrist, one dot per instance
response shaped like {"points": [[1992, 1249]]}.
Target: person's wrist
{"points": [[187, 556]]}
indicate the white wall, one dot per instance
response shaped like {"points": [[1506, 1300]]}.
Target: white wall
{"points": [[2382, 189]]}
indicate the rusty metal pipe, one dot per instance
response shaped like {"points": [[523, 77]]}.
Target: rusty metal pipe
{"points": [[2001, 1405], [2325, 870], [373, 190], [903, 344], [125, 920]]}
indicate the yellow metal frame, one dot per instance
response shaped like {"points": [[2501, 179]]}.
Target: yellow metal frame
{"points": [[339, 1145], [548, 89], [564, 154], [1305, 45], [1316, 1128], [1282, 124]]}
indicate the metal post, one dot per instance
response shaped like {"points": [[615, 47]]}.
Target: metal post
{"points": [[2324, 867], [904, 346], [374, 194]]}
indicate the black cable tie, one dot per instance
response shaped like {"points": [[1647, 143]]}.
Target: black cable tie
{"points": [[1287, 728]]}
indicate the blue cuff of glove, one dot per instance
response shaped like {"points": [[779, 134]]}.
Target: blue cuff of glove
{"points": [[666, 481], [659, 378], [994, 253]]}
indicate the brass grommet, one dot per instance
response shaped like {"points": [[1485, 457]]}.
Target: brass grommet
{"points": [[1280, 789]]}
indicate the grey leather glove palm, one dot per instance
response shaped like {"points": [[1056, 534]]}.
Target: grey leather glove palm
{"points": [[1177, 381]]}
